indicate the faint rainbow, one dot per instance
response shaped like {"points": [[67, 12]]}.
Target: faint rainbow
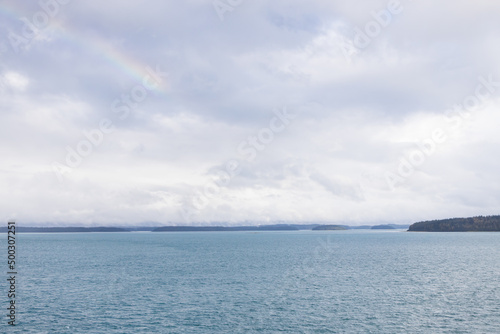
{"points": [[120, 60]]}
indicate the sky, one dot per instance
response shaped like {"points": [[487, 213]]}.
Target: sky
{"points": [[238, 112]]}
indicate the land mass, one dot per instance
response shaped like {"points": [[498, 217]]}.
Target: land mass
{"points": [[279, 227], [329, 228], [383, 227], [472, 224], [194, 228], [26, 229]]}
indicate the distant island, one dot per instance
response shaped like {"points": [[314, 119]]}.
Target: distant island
{"points": [[279, 227], [200, 228], [383, 227], [329, 228], [25, 229], [473, 224]]}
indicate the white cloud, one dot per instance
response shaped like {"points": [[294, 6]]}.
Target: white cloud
{"points": [[359, 118], [15, 81]]}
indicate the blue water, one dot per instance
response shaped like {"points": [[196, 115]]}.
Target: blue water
{"points": [[265, 282]]}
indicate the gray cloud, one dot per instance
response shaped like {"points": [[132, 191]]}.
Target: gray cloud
{"points": [[360, 116]]}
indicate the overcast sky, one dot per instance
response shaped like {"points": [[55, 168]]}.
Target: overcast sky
{"points": [[248, 112]]}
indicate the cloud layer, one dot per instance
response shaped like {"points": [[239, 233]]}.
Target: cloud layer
{"points": [[226, 112]]}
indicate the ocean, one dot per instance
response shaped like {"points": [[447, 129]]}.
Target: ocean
{"points": [[356, 281]]}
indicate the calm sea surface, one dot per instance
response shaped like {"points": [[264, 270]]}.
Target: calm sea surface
{"points": [[264, 282]]}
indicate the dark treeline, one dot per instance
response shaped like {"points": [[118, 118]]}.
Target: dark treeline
{"points": [[473, 224]]}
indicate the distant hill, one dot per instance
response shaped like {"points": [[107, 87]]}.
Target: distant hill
{"points": [[390, 227], [383, 227], [359, 227], [194, 228], [279, 227], [23, 229], [329, 228], [473, 224]]}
